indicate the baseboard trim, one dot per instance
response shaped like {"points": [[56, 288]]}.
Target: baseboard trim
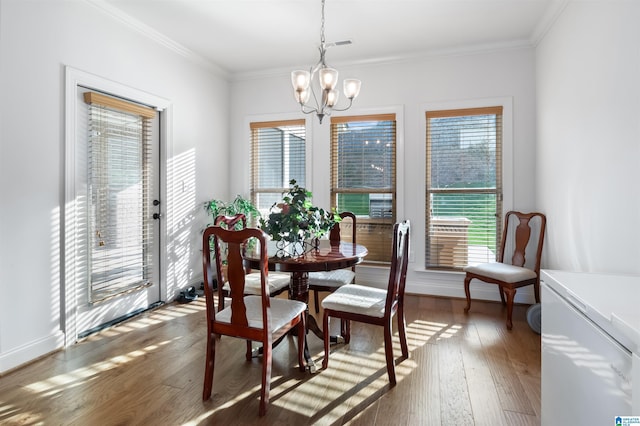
{"points": [[438, 283], [31, 351]]}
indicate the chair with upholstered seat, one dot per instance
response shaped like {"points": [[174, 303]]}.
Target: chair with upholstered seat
{"points": [[329, 281], [278, 281], [252, 317], [353, 302], [518, 262]]}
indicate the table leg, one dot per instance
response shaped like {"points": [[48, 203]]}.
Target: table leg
{"points": [[299, 290]]}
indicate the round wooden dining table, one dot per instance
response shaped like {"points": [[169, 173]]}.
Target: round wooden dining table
{"points": [[327, 256]]}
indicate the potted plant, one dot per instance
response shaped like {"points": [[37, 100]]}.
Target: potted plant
{"points": [[295, 221], [238, 205]]}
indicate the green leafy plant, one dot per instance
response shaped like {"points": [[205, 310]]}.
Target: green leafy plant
{"points": [[295, 219], [238, 205]]}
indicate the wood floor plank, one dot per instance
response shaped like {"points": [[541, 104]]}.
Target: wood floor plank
{"points": [[510, 390], [485, 401], [424, 394], [455, 403], [462, 369]]}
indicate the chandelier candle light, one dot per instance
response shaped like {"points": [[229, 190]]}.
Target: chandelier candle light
{"points": [[303, 85]]}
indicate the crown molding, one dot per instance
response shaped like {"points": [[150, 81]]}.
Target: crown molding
{"points": [[553, 12], [156, 36], [555, 9], [469, 50]]}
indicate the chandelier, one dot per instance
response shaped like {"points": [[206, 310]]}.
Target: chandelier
{"points": [[324, 92]]}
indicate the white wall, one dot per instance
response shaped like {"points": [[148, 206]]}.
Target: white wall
{"points": [[588, 148], [581, 83], [406, 88], [37, 40]]}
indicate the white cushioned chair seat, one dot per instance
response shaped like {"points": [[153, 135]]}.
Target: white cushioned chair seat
{"points": [[502, 271], [335, 278], [277, 281], [282, 311], [357, 299]]}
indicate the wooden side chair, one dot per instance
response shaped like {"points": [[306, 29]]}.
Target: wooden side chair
{"points": [[329, 281], [278, 281], [353, 302], [255, 318], [518, 262]]}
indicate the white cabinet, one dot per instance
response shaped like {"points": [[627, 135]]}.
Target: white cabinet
{"points": [[587, 363]]}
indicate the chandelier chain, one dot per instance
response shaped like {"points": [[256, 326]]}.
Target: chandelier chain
{"points": [[322, 27]]}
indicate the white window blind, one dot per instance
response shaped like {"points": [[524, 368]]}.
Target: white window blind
{"points": [[363, 178], [278, 150], [464, 186], [119, 170]]}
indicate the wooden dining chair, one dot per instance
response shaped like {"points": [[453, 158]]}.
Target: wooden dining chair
{"points": [[258, 318], [329, 281], [518, 262], [353, 302], [278, 281]]}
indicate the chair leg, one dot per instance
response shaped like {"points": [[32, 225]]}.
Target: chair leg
{"points": [[315, 301], [302, 335], [209, 364], [501, 290], [343, 328], [467, 281], [510, 293], [266, 377], [536, 290], [325, 330], [388, 350], [249, 354], [347, 331], [402, 331]]}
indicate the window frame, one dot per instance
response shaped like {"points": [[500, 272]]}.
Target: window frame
{"points": [[396, 182], [503, 171], [256, 124]]}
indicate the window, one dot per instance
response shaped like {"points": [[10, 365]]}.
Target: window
{"points": [[363, 178], [464, 187], [119, 195], [277, 156]]}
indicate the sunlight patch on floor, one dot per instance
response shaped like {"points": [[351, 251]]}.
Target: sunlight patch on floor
{"points": [[146, 320], [60, 382]]}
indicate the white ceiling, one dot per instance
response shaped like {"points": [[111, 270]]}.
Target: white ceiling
{"points": [[250, 36]]}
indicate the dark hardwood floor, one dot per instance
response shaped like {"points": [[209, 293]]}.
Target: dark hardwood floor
{"points": [[462, 370]]}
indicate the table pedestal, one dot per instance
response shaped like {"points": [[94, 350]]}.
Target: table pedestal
{"points": [[299, 290]]}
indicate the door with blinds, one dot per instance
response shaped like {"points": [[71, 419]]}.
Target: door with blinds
{"points": [[119, 209]]}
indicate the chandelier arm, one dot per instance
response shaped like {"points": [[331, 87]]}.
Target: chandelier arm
{"points": [[343, 109], [315, 98], [319, 105], [312, 111]]}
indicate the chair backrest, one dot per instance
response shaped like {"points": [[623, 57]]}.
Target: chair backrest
{"points": [[522, 239], [235, 241], [235, 222], [335, 235], [399, 262], [230, 222]]}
